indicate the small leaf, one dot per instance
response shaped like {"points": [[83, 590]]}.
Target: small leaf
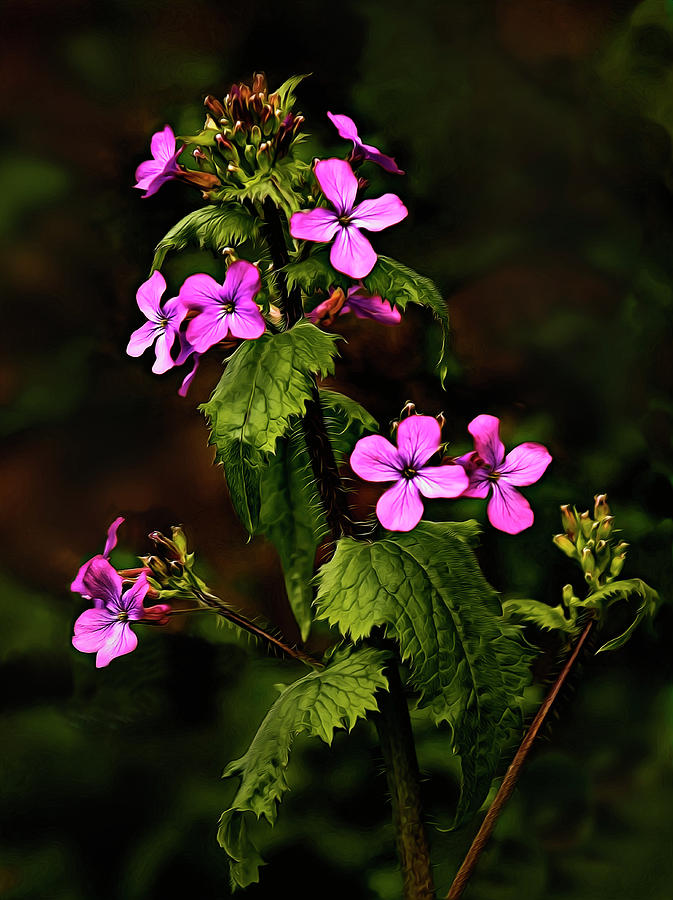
{"points": [[612, 593], [210, 228], [315, 273], [334, 697], [287, 89], [401, 285], [470, 666], [546, 617]]}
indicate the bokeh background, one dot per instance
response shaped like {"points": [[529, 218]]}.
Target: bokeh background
{"points": [[536, 136]]}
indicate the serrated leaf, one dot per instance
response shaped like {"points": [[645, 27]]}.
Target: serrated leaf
{"points": [[315, 273], [210, 228], [318, 703], [470, 666], [291, 515], [400, 285], [244, 467], [544, 616], [612, 593], [276, 184]]}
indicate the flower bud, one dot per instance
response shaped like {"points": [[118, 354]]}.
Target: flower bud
{"points": [[409, 409], [588, 561], [564, 543], [601, 508], [568, 596], [586, 524], [605, 527], [617, 565], [214, 107], [569, 521]]}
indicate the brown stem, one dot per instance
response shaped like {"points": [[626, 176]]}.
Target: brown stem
{"points": [[512, 775], [213, 602]]}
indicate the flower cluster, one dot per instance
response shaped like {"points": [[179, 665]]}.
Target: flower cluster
{"points": [[485, 470]]}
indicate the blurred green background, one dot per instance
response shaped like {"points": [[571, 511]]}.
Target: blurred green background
{"points": [[536, 135]]}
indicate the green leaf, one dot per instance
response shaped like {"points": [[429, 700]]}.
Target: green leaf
{"points": [[277, 184], [401, 286], [546, 617], [612, 593], [266, 384], [315, 273], [334, 697], [287, 89], [291, 514], [468, 663], [210, 228]]}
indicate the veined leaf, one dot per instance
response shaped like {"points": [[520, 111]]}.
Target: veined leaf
{"points": [[470, 666], [401, 285], [315, 273], [546, 617], [291, 515], [287, 89], [244, 468], [211, 228], [334, 697], [612, 593]]}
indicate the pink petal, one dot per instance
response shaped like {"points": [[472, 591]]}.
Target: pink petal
{"points": [[352, 253], [400, 508], [111, 541], [375, 215], [479, 484], [314, 225], [146, 173], [149, 296], [375, 459], [159, 613], [200, 292], [186, 349], [120, 641], [338, 183], [92, 629], [162, 145], [373, 154], [243, 281], [187, 380], [525, 464], [164, 360], [208, 329], [316, 314], [345, 126], [246, 321], [485, 431], [509, 510], [366, 307], [141, 339], [441, 481], [99, 581], [418, 437], [132, 599], [175, 311]]}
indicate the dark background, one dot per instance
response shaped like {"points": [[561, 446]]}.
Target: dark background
{"points": [[536, 135]]}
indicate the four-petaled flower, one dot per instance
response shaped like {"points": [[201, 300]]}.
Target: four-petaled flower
{"points": [[489, 469], [223, 309], [348, 130], [358, 301], [162, 324], [152, 173], [375, 459], [351, 251], [105, 630]]}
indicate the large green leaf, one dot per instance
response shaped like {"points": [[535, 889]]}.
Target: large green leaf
{"points": [[401, 285], [291, 515], [265, 385], [335, 697], [470, 666], [210, 228]]}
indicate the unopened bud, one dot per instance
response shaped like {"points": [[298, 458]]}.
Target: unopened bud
{"points": [[568, 595], [409, 409], [214, 107], [601, 508], [198, 153], [586, 524], [569, 521], [617, 565], [621, 548], [588, 561], [564, 543], [605, 526]]}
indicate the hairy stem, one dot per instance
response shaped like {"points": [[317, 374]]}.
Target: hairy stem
{"points": [[512, 774], [393, 722]]}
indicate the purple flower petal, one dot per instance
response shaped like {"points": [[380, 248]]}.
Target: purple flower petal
{"points": [[479, 484], [164, 360], [441, 481], [120, 641], [111, 541], [345, 126], [352, 253], [152, 173], [187, 380], [485, 431], [509, 510], [348, 130], [379, 213], [132, 599], [147, 172], [316, 314], [418, 437], [207, 329], [373, 154], [366, 307], [200, 292], [243, 281], [338, 183], [247, 321], [92, 629], [162, 145], [97, 580], [149, 296], [314, 225], [186, 349], [375, 459], [400, 507], [141, 339], [525, 464]]}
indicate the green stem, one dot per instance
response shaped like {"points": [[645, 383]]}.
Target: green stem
{"points": [[512, 775]]}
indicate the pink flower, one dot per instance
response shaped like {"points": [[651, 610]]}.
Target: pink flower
{"points": [[359, 302], [375, 459], [489, 469], [186, 350], [82, 582], [348, 130], [154, 172], [162, 324], [351, 251], [105, 630], [223, 309]]}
